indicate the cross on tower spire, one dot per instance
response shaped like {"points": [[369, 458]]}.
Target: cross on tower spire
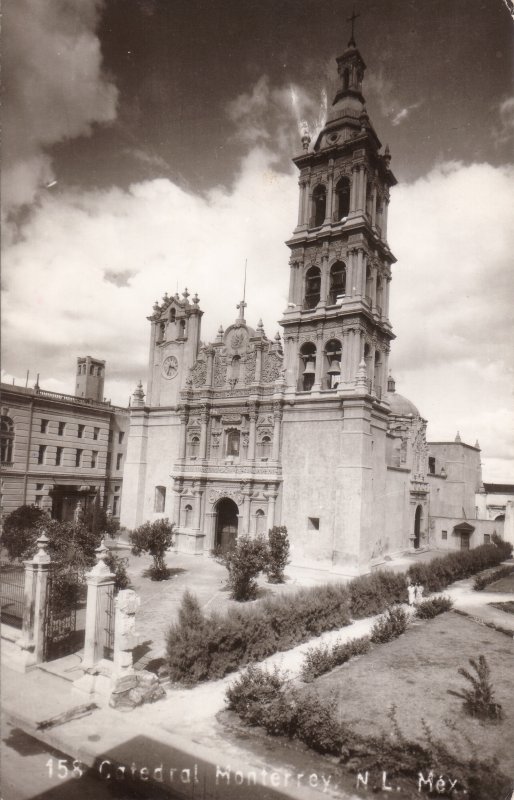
{"points": [[352, 20]]}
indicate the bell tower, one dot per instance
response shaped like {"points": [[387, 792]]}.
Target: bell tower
{"points": [[340, 264]]}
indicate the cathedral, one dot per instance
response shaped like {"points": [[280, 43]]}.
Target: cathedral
{"points": [[305, 430]]}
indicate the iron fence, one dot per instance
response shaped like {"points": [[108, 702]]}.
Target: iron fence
{"points": [[108, 643], [12, 577]]}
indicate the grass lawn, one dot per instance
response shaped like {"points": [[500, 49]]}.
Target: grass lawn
{"points": [[414, 673], [508, 607], [505, 584]]}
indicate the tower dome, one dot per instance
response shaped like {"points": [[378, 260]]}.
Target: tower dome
{"points": [[400, 406]]}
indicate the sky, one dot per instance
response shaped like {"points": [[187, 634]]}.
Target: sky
{"points": [[147, 147]]}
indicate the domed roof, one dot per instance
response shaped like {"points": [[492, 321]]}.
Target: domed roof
{"points": [[401, 406]]}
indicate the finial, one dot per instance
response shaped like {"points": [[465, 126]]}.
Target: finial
{"points": [[219, 337], [138, 395], [361, 380], [260, 328], [391, 384], [277, 337], [165, 298], [387, 156], [352, 19], [457, 438], [101, 567], [156, 306], [177, 297], [305, 135], [477, 445], [196, 299], [364, 119], [185, 294], [241, 308], [42, 557]]}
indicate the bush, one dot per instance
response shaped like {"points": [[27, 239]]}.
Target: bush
{"points": [[253, 691], [391, 625], [278, 554], [154, 538], [319, 660], [118, 566], [479, 698], [371, 594], [20, 530], [434, 606], [244, 562], [439, 573], [481, 581]]}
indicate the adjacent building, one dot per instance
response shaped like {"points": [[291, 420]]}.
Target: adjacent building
{"points": [[59, 450]]}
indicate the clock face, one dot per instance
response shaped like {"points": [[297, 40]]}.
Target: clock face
{"points": [[170, 367]]}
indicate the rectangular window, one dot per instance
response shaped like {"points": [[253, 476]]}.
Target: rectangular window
{"points": [[94, 458], [431, 465], [80, 431], [313, 523], [444, 534], [41, 454], [118, 460], [160, 499], [44, 425], [58, 456], [487, 538], [96, 431], [61, 428], [233, 438], [78, 457], [115, 506], [39, 487], [121, 436]]}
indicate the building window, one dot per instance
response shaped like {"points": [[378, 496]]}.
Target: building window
{"points": [[115, 506], [313, 523], [6, 439], [78, 457], [96, 431], [265, 447], [260, 522], [487, 538], [91, 370], [194, 447], [118, 460], [121, 436], [60, 429], [44, 425], [307, 367], [41, 454], [333, 353], [431, 465], [94, 458], [337, 283], [39, 487], [342, 198], [80, 431], [312, 287], [444, 534], [188, 516], [160, 499], [233, 439], [58, 456], [319, 206]]}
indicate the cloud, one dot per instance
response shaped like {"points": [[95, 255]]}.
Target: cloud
{"points": [[381, 91], [54, 88], [402, 115], [505, 131]]}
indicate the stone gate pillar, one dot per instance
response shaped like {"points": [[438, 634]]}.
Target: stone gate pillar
{"points": [[31, 643], [100, 590]]}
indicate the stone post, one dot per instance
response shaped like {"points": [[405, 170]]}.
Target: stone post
{"points": [[32, 639], [125, 639], [100, 588]]}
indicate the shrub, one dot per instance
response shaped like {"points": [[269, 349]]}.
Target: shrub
{"points": [[434, 606], [389, 626], [244, 562], [187, 643], [118, 566], [278, 554], [154, 538], [319, 660], [20, 531], [371, 594], [439, 573], [253, 691], [479, 698], [481, 581]]}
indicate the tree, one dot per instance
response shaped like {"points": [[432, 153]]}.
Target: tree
{"points": [[244, 562], [154, 538], [20, 531], [278, 554]]}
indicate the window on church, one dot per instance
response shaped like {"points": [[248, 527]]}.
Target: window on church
{"points": [[233, 441], [337, 283], [307, 367], [333, 354], [6, 439], [431, 465], [188, 516], [194, 447], [319, 206], [260, 522], [487, 538], [444, 534], [265, 448], [342, 199], [312, 287], [160, 499], [313, 523]]}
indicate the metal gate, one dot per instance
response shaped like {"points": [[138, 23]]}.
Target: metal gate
{"points": [[63, 634], [108, 630]]}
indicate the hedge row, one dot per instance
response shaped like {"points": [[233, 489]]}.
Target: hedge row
{"points": [[201, 647]]}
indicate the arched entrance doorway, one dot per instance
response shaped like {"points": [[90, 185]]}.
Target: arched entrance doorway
{"points": [[417, 526], [226, 525]]}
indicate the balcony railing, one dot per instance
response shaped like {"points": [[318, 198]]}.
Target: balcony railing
{"points": [[82, 401]]}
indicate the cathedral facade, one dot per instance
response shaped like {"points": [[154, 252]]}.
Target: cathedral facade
{"points": [[305, 430]]}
